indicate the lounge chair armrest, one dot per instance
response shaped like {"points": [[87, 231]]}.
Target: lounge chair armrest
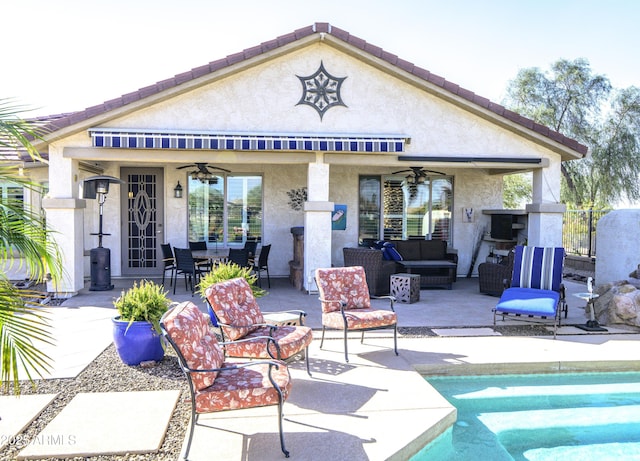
{"points": [[333, 301], [392, 300], [268, 339], [245, 340], [274, 363]]}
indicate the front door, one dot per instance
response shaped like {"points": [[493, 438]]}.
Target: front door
{"points": [[143, 221]]}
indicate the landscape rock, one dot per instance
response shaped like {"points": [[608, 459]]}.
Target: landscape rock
{"points": [[619, 303]]}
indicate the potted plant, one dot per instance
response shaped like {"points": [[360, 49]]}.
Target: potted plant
{"points": [[136, 330], [228, 271]]}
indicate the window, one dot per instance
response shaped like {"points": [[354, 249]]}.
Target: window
{"points": [[11, 193], [225, 210], [407, 210]]}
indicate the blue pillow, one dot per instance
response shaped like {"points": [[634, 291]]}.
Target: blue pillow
{"points": [[391, 252], [378, 245]]}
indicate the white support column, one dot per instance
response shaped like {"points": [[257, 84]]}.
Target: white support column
{"points": [[546, 211], [64, 212], [317, 220]]}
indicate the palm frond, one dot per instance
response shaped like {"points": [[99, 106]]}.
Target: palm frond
{"points": [[22, 327]]}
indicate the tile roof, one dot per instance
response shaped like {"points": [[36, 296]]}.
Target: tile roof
{"points": [[12, 151], [317, 28]]}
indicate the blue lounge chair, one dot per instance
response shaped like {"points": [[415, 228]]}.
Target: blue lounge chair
{"points": [[536, 286]]}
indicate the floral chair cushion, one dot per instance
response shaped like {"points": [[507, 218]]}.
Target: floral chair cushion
{"points": [[291, 340], [190, 330], [343, 285], [234, 304], [246, 387]]}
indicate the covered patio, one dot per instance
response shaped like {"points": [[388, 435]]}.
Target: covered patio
{"points": [[376, 407]]}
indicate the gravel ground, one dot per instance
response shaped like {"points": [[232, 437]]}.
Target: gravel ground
{"points": [[107, 373]]}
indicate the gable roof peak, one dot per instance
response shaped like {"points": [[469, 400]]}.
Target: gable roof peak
{"points": [[319, 28]]}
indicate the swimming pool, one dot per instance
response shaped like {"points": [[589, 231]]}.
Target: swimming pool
{"points": [[540, 417]]}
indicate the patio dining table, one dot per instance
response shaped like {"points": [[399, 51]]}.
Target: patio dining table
{"points": [[211, 255]]}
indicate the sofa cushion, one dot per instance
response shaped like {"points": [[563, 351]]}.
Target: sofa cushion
{"points": [[409, 249], [433, 249]]}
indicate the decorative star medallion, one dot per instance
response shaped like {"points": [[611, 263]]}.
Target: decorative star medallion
{"points": [[321, 90]]}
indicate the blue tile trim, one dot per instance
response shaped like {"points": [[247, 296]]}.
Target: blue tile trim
{"points": [[248, 142]]}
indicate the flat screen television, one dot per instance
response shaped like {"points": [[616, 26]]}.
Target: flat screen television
{"points": [[501, 226]]}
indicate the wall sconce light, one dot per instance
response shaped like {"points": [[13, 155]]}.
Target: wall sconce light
{"points": [[177, 191]]}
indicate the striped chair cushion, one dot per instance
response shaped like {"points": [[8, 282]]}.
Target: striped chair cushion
{"points": [[537, 267]]}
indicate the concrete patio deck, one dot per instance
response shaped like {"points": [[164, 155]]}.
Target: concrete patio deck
{"points": [[378, 406]]}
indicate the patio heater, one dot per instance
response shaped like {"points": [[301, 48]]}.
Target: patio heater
{"points": [[100, 257]]}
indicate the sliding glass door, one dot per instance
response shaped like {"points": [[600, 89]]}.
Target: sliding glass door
{"points": [[406, 210]]}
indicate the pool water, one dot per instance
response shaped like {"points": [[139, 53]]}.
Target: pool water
{"points": [[580, 416]]}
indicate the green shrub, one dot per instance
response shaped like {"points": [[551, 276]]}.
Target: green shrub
{"points": [[146, 301], [228, 271]]}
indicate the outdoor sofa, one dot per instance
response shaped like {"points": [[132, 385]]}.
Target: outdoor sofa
{"points": [[428, 250]]}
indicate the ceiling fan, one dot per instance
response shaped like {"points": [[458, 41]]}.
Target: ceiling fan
{"points": [[203, 172], [419, 174]]}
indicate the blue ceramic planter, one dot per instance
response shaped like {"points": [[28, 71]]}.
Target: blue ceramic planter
{"points": [[138, 343]]}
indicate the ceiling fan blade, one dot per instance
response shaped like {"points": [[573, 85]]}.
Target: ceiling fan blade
{"points": [[218, 168], [185, 166]]}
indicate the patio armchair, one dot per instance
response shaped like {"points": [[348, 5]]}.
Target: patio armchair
{"points": [[493, 278], [536, 286], [377, 270], [346, 304], [234, 309], [216, 385]]}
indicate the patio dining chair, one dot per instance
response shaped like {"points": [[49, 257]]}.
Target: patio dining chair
{"points": [[239, 256], [169, 262], [263, 264], [216, 385], [346, 304], [536, 288], [201, 245], [234, 309], [251, 245], [187, 266]]}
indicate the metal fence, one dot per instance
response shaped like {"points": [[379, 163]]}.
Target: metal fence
{"points": [[579, 231]]}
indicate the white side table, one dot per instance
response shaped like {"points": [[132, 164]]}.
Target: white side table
{"points": [[281, 318], [284, 319], [592, 323]]}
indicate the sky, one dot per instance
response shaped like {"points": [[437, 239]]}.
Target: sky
{"points": [[65, 55]]}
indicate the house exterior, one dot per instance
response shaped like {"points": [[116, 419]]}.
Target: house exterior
{"points": [[315, 129]]}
